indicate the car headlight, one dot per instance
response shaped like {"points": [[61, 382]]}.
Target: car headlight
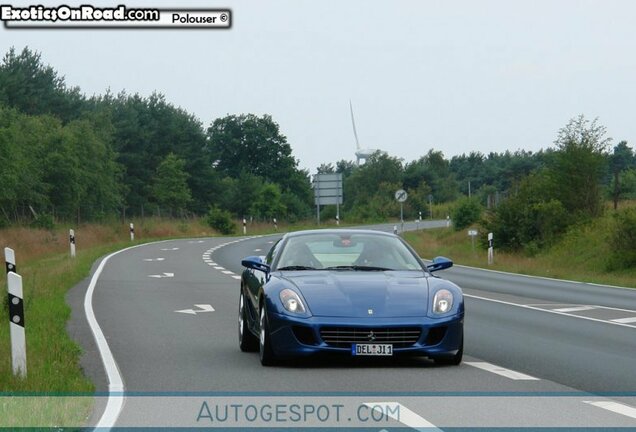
{"points": [[291, 301], [443, 301]]}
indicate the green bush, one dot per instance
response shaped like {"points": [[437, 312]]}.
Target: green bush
{"points": [[221, 220], [465, 213], [622, 240], [44, 221]]}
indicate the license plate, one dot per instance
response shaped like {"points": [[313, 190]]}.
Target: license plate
{"points": [[372, 349]]}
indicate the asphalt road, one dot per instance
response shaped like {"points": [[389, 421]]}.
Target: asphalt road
{"points": [[539, 353]]}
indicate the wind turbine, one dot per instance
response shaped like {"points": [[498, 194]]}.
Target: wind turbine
{"points": [[360, 152]]}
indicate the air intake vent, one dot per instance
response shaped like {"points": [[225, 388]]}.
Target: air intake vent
{"points": [[343, 337]]}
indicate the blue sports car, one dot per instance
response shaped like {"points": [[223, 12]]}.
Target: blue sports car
{"points": [[352, 292]]}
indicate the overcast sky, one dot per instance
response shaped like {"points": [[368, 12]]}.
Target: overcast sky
{"points": [[457, 76]]}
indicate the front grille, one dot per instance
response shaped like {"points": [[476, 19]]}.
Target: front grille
{"points": [[343, 337]]}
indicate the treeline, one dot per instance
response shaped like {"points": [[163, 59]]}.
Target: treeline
{"points": [[65, 156], [432, 179], [528, 200]]}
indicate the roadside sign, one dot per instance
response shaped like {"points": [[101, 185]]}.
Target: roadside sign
{"points": [[401, 195], [328, 190], [472, 233]]}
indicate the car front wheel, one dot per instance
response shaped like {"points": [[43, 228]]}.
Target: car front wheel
{"points": [[247, 341], [265, 346]]}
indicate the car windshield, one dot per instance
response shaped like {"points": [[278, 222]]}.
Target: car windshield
{"points": [[346, 251]]}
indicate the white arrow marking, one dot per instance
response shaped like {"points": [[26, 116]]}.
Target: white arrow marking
{"points": [[170, 249], [202, 308], [165, 275], [154, 259]]}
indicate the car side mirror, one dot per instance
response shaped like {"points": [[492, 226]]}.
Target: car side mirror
{"points": [[439, 263], [255, 263]]}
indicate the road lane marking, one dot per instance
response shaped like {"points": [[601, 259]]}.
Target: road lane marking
{"points": [[236, 277], [402, 414], [258, 250], [154, 259], [575, 309], [227, 272], [202, 308], [508, 373], [164, 275], [219, 268], [616, 407], [548, 311], [625, 320], [170, 249], [114, 403]]}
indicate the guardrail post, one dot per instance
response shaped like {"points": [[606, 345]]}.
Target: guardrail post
{"points": [[9, 260], [491, 257], [132, 232], [16, 315], [71, 239], [244, 226]]}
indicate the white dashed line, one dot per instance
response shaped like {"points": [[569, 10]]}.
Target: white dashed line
{"points": [[514, 375], [552, 311], [236, 277], [227, 272], [219, 268], [575, 309], [616, 407], [399, 412], [257, 250], [625, 320]]}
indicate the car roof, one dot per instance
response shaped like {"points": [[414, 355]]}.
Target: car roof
{"points": [[337, 231]]}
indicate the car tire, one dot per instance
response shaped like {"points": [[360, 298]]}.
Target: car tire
{"points": [[266, 354], [454, 360], [247, 341]]}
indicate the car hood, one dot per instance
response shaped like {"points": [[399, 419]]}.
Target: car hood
{"points": [[355, 293]]}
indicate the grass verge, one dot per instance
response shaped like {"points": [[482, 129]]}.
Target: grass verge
{"points": [[580, 255]]}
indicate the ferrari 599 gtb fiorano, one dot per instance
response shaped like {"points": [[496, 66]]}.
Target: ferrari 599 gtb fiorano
{"points": [[348, 292]]}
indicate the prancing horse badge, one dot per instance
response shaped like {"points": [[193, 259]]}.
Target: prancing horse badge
{"points": [[370, 311]]}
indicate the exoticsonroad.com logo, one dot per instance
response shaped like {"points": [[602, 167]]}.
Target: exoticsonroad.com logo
{"points": [[87, 16]]}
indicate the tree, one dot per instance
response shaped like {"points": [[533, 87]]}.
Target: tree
{"points": [[170, 187], [529, 219], [268, 203], [466, 212], [247, 143], [620, 160], [577, 167], [34, 88], [436, 172]]}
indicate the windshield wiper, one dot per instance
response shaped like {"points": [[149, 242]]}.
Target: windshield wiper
{"points": [[358, 267], [296, 267]]}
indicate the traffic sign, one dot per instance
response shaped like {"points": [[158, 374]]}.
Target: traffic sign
{"points": [[401, 195]]}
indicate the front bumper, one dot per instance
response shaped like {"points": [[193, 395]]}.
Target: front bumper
{"points": [[291, 336]]}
